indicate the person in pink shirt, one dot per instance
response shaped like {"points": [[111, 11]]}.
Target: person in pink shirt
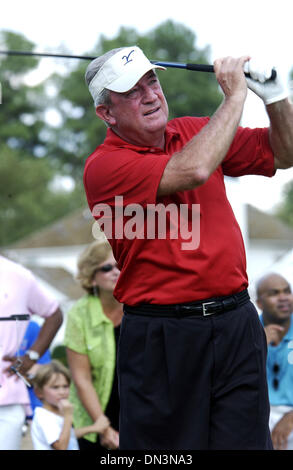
{"points": [[21, 296]]}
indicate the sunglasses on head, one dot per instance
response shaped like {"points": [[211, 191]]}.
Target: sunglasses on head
{"points": [[107, 268], [276, 370]]}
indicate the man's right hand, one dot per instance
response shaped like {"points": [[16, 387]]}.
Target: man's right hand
{"points": [[230, 75], [274, 334]]}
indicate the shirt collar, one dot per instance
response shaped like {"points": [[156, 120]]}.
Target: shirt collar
{"points": [[96, 311], [113, 140]]}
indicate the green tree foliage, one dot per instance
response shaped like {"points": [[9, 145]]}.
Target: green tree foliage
{"points": [[29, 200], [188, 93], [21, 116]]}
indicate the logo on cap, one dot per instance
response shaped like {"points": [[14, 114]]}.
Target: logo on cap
{"points": [[127, 57]]}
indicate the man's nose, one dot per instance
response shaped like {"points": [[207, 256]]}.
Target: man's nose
{"points": [[284, 296], [149, 94]]}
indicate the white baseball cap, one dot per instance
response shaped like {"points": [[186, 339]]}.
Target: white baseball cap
{"points": [[121, 72]]}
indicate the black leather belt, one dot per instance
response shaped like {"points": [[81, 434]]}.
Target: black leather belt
{"points": [[212, 306]]}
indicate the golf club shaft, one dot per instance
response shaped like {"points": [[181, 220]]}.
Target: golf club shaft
{"points": [[46, 54], [193, 67]]}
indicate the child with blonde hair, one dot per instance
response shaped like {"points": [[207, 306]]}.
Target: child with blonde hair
{"points": [[52, 423]]}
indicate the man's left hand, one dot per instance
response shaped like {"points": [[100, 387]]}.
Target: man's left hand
{"points": [[281, 431], [270, 91]]}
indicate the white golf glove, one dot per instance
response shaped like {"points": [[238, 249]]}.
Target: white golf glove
{"points": [[270, 91]]}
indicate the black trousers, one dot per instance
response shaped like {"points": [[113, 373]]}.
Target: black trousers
{"points": [[194, 383]]}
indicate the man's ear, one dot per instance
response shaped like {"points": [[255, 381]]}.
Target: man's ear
{"points": [[103, 112]]}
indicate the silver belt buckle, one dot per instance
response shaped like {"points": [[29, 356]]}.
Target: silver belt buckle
{"points": [[204, 312]]}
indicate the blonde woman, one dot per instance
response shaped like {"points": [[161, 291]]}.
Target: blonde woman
{"points": [[91, 338]]}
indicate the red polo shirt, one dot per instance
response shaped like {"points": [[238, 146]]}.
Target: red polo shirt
{"points": [[157, 270]]}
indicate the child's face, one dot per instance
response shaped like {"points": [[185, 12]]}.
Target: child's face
{"points": [[56, 389]]}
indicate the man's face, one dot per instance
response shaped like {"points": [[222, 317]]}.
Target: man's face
{"points": [[275, 298], [140, 115]]}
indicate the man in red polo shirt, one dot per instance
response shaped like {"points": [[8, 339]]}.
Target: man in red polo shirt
{"points": [[192, 351]]}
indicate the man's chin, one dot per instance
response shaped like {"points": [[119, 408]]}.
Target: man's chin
{"points": [[284, 315], [156, 123]]}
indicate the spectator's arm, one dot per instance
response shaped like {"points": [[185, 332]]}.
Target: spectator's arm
{"points": [[81, 375], [281, 431], [48, 331]]}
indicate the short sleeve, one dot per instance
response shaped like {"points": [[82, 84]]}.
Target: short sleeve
{"points": [[250, 154], [134, 176], [50, 428], [74, 337], [46, 429], [39, 301]]}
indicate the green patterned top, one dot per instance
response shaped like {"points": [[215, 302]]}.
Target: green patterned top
{"points": [[88, 331]]}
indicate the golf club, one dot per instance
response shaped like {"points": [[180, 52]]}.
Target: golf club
{"points": [[193, 67]]}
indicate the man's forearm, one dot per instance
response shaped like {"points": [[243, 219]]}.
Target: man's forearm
{"points": [[281, 132], [194, 164], [207, 150], [48, 331]]}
